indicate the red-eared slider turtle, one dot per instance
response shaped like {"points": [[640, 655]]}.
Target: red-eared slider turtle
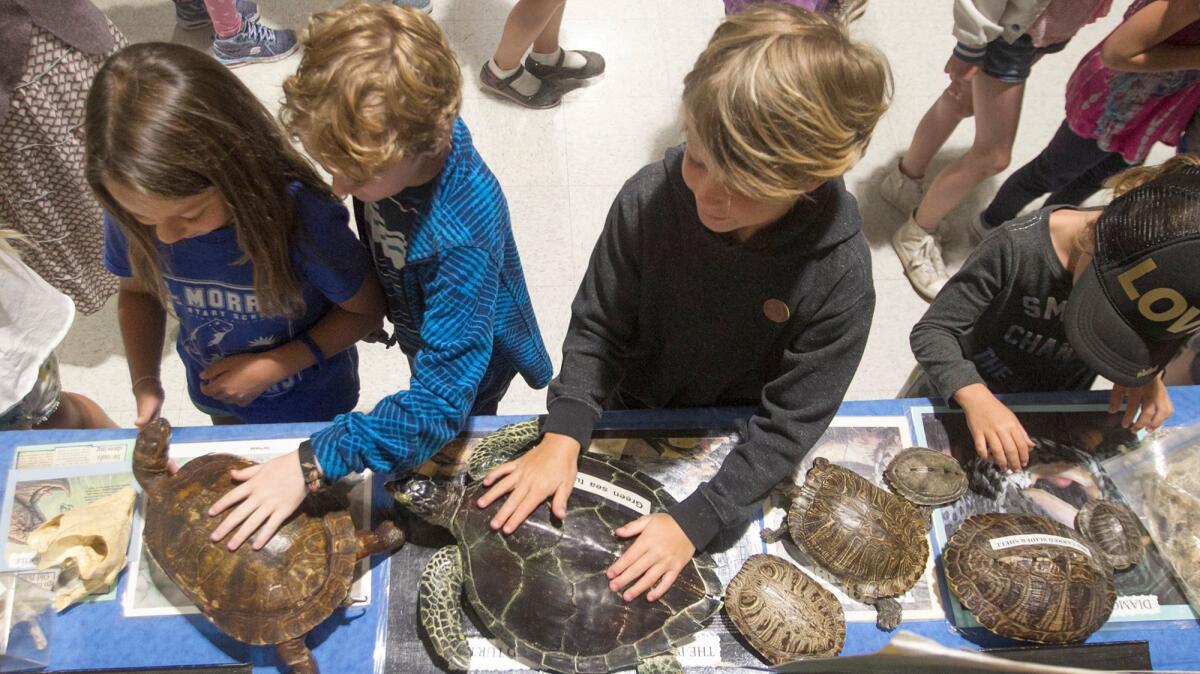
{"points": [[925, 478], [782, 612], [269, 596], [1114, 529], [873, 542], [542, 590], [1028, 577]]}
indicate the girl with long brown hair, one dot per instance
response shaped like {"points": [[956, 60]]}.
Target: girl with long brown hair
{"points": [[212, 215]]}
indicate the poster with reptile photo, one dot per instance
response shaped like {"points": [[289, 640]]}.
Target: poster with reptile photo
{"points": [[1063, 474]]}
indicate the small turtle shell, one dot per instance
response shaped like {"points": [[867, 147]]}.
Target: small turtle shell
{"points": [[782, 612], [1028, 577], [1113, 528], [926, 477]]}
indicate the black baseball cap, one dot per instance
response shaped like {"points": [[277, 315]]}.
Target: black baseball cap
{"points": [[1139, 301]]}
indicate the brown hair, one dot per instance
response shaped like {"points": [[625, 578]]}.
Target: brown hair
{"points": [[377, 83], [169, 121], [782, 97]]}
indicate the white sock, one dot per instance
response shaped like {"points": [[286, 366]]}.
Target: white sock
{"points": [[526, 84], [573, 59]]}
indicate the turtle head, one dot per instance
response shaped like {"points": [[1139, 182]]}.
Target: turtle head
{"points": [[431, 501], [150, 452]]}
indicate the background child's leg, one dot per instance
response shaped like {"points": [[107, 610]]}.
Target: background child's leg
{"points": [[77, 411], [1067, 157], [526, 23], [1080, 189], [997, 112], [226, 20], [943, 117]]}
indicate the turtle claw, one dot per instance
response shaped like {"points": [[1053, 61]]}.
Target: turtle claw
{"points": [[888, 614]]}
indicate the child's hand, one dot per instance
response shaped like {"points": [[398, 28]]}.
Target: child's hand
{"points": [[148, 395], [547, 469], [998, 434], [241, 378], [655, 558], [269, 493], [1151, 397], [960, 70]]}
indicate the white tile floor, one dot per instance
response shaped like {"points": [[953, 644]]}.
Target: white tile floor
{"points": [[561, 168]]}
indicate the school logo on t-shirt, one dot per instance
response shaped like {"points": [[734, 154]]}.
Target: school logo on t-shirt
{"points": [[217, 319]]}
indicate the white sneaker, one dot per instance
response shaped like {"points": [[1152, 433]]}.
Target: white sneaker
{"points": [[901, 191], [921, 255]]}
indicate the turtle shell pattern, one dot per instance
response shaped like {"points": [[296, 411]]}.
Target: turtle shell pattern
{"points": [[782, 612], [1113, 528], [873, 542], [926, 477], [256, 596], [542, 590], [1046, 592]]}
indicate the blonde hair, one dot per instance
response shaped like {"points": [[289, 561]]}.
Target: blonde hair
{"points": [[1133, 178], [377, 83], [169, 121], [10, 236], [783, 97]]}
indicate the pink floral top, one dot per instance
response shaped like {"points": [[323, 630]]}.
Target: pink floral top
{"points": [[736, 6], [1128, 112]]}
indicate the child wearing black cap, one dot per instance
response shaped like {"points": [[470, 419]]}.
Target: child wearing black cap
{"points": [[1004, 323]]}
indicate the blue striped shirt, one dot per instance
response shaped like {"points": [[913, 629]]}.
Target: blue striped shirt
{"points": [[457, 297]]}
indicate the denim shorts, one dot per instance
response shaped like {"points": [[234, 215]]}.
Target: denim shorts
{"points": [[1012, 62]]}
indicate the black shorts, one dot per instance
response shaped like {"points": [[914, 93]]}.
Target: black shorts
{"points": [[1011, 62]]}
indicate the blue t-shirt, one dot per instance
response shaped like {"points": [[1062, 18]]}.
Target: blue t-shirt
{"points": [[219, 315]]}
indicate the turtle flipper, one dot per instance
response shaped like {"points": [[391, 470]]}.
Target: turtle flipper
{"points": [[501, 445], [774, 535], [440, 601], [926, 514], [660, 664], [888, 613]]}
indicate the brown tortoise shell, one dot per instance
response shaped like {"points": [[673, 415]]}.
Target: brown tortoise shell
{"points": [[873, 542], [1043, 592], [782, 612], [260, 597], [926, 477]]}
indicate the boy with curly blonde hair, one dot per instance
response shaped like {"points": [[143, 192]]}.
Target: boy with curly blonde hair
{"points": [[376, 101], [732, 272]]}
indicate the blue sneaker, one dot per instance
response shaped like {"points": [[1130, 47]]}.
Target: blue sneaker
{"points": [[192, 15], [255, 44], [423, 5]]}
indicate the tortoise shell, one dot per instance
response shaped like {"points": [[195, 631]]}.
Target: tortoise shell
{"points": [[1028, 577], [926, 477], [873, 542], [782, 612], [265, 596], [1113, 528], [542, 590]]}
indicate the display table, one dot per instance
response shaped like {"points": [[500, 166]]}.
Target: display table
{"points": [[355, 639]]}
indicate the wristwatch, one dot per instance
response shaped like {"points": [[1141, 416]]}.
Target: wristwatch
{"points": [[313, 480]]}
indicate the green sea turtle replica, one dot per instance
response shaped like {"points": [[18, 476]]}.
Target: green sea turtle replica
{"points": [[542, 590], [272, 596], [871, 541]]}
